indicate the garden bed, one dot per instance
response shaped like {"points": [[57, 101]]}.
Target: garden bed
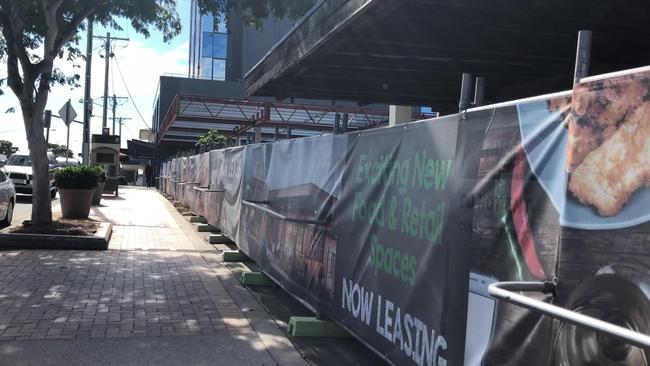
{"points": [[60, 227], [61, 234]]}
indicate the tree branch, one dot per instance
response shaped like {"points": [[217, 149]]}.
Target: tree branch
{"points": [[67, 34], [49, 11]]}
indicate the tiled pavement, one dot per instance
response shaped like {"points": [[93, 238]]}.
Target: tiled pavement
{"points": [[154, 281], [66, 295]]}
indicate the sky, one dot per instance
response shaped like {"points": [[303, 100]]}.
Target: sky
{"points": [[141, 61]]}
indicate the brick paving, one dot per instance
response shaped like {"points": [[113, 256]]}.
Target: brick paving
{"points": [[153, 281]]}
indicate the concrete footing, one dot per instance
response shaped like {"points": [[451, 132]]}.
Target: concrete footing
{"points": [[204, 228], [199, 219], [308, 326], [235, 256], [255, 279], [219, 239]]}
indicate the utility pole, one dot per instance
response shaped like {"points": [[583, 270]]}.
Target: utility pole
{"points": [[114, 106], [88, 104], [115, 101], [121, 123], [107, 51], [107, 55]]}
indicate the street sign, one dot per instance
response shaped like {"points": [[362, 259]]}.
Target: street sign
{"points": [[67, 113]]}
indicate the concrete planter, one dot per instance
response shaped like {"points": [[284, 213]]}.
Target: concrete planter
{"points": [[97, 195], [75, 203]]}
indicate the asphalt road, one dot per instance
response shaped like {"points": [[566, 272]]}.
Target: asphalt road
{"points": [[23, 209]]}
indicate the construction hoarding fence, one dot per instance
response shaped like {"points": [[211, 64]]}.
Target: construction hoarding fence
{"points": [[396, 233]]}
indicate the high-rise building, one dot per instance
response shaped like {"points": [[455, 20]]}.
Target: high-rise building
{"points": [[224, 48], [208, 45]]}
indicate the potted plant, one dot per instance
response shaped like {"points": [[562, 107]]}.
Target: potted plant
{"points": [[101, 182], [76, 186]]}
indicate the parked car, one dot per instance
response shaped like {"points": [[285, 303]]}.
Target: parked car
{"points": [[61, 161], [7, 200], [19, 169]]}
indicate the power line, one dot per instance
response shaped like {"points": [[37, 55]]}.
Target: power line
{"points": [[119, 70]]}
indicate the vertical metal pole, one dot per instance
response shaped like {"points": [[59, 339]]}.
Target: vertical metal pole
{"points": [[107, 51], [479, 91], [114, 106], [465, 92], [337, 123], [88, 104], [120, 132], [583, 56], [344, 123], [67, 142], [276, 134], [288, 132]]}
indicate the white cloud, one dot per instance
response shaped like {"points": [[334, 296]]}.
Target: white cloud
{"points": [[141, 65]]}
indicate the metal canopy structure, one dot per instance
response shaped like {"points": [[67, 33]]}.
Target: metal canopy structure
{"points": [[413, 52], [190, 116]]}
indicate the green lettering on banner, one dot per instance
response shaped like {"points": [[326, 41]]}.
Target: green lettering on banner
{"points": [[403, 175], [391, 261], [392, 213], [442, 173], [406, 213], [396, 259], [414, 221], [404, 269], [388, 259], [413, 266], [429, 173]]}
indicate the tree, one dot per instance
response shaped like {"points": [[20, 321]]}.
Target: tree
{"points": [[212, 140], [60, 150], [37, 32], [7, 148]]}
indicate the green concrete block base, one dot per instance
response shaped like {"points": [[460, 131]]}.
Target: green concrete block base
{"points": [[235, 256], [204, 228], [255, 279], [219, 239], [308, 326], [199, 219]]}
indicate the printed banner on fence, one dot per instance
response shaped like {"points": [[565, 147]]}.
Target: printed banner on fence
{"points": [[396, 233]]}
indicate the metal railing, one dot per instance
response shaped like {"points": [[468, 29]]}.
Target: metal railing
{"points": [[507, 291], [208, 190], [256, 205]]}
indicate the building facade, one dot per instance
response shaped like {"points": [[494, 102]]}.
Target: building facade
{"points": [[224, 48], [212, 96]]}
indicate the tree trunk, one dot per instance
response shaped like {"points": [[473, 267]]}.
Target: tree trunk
{"points": [[41, 202]]}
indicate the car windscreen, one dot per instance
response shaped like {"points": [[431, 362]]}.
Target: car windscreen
{"points": [[20, 160]]}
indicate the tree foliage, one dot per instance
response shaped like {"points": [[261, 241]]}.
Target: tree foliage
{"points": [[7, 148], [60, 150], [212, 140], [35, 33], [254, 12]]}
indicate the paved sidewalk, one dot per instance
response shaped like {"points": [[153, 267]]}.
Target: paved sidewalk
{"points": [[159, 295]]}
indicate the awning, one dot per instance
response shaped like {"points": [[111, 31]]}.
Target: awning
{"points": [[191, 116], [413, 52]]}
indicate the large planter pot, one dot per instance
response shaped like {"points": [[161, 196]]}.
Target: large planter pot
{"points": [[97, 195], [75, 203]]}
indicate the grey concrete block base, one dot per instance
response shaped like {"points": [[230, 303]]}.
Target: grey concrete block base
{"points": [[235, 256], [99, 241], [219, 239], [308, 326]]}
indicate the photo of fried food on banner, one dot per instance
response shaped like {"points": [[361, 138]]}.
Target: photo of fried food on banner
{"points": [[608, 153]]}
